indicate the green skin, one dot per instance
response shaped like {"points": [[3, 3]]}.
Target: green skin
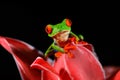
{"points": [[64, 31]]}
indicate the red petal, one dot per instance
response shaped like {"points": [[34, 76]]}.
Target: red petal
{"points": [[110, 71], [64, 74], [117, 76], [60, 67], [48, 72], [24, 55], [83, 66]]}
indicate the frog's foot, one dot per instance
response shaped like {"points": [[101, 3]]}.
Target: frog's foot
{"points": [[58, 54], [67, 49]]}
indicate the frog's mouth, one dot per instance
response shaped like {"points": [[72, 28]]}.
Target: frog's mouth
{"points": [[61, 36]]}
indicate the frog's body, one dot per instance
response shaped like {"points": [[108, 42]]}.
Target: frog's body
{"points": [[61, 38], [60, 34]]}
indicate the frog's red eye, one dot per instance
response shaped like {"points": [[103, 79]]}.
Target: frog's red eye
{"points": [[68, 22], [48, 29]]}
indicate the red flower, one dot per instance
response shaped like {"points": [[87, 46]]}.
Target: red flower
{"points": [[83, 65], [24, 55]]}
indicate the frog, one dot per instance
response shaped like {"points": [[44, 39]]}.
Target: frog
{"points": [[60, 33]]}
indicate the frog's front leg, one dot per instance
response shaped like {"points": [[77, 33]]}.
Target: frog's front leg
{"points": [[78, 37], [58, 48], [53, 47]]}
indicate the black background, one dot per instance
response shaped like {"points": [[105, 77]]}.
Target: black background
{"points": [[98, 23]]}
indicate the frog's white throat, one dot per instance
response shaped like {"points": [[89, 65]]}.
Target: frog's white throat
{"points": [[61, 36]]}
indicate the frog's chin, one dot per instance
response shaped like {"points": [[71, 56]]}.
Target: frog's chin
{"points": [[61, 36]]}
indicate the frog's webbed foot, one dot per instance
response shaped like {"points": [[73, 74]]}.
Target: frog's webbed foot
{"points": [[81, 37]]}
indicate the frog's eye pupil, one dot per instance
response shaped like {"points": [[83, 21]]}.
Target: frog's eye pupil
{"points": [[48, 29], [68, 22]]}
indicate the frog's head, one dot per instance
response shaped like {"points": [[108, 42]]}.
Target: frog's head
{"points": [[59, 31], [64, 26]]}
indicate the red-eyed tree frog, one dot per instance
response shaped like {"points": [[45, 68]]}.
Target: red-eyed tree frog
{"points": [[60, 33]]}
